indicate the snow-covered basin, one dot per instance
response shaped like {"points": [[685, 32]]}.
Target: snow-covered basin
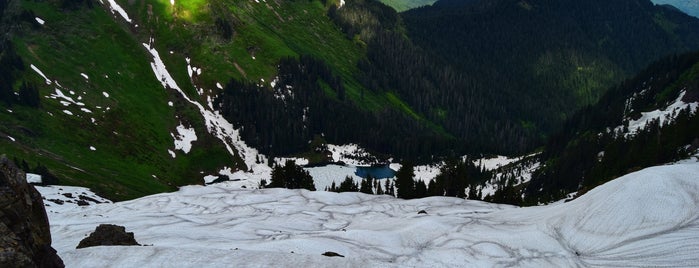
{"points": [[647, 218]]}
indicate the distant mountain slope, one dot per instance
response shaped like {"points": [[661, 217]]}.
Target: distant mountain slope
{"points": [[648, 120], [690, 7], [539, 61], [403, 5]]}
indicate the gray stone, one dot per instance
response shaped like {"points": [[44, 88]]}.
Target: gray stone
{"points": [[25, 238], [108, 235]]}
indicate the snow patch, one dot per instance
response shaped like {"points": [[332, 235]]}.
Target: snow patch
{"points": [[297, 161], [324, 176], [496, 162], [36, 69], [40, 21], [67, 112], [105, 94], [64, 199], [11, 138], [351, 154], [33, 178], [84, 76], [184, 138], [426, 173], [64, 99], [92, 148], [117, 8], [663, 116]]}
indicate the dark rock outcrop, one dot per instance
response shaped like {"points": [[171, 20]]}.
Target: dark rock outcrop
{"points": [[108, 235], [332, 254], [25, 238]]}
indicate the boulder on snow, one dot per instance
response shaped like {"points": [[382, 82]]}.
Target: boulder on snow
{"points": [[109, 235], [25, 238], [332, 254]]}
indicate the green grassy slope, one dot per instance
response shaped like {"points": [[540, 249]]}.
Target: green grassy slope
{"points": [[263, 33], [133, 126], [132, 129]]}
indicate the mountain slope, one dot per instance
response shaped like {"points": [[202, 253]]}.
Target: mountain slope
{"points": [[123, 96], [687, 6], [539, 61], [101, 118], [649, 120]]}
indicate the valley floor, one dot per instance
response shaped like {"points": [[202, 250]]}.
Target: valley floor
{"points": [[647, 218]]}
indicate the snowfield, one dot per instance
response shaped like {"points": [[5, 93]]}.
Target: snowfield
{"points": [[647, 218]]}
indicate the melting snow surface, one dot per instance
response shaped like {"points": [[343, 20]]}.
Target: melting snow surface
{"points": [[324, 176], [647, 218]]}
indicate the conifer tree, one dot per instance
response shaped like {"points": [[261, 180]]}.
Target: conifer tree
{"points": [[404, 182], [420, 189], [291, 176], [365, 186], [348, 185]]}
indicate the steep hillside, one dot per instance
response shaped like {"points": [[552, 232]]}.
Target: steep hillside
{"points": [[649, 120], [125, 98], [537, 62], [95, 114]]}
